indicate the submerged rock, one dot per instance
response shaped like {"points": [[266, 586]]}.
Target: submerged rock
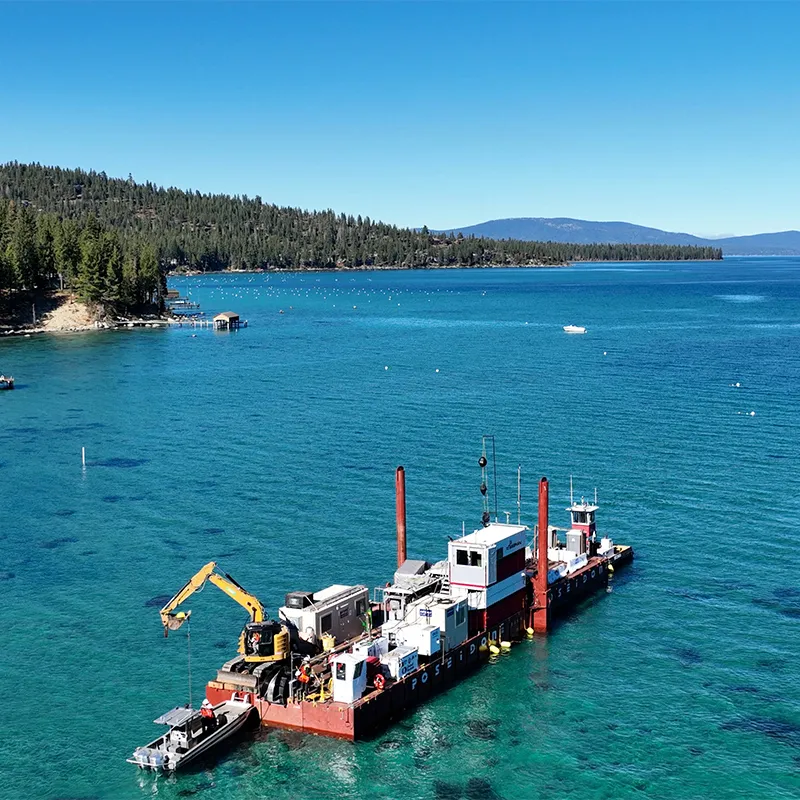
{"points": [[159, 601], [196, 789], [122, 463], [388, 744], [779, 729], [483, 729], [60, 542], [688, 655], [442, 790], [480, 789]]}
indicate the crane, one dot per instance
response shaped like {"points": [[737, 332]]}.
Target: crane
{"points": [[262, 639]]}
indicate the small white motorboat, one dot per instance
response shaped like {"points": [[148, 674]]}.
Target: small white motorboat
{"points": [[574, 329], [6, 382], [188, 738]]}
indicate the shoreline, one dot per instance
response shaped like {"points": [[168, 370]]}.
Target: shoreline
{"points": [[340, 270], [113, 325]]}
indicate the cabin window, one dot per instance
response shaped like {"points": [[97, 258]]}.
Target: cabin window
{"points": [[462, 557], [344, 612], [325, 623], [474, 558], [499, 553], [460, 614], [341, 672], [580, 517], [358, 670], [361, 607]]}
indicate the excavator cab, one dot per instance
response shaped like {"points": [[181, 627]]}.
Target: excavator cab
{"points": [[264, 641]]}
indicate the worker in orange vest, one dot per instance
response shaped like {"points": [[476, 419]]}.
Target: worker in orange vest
{"points": [[207, 716]]}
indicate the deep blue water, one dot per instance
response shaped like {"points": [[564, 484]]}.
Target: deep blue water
{"points": [[272, 450]]}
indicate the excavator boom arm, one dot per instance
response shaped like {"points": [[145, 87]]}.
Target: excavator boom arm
{"points": [[243, 598], [224, 582]]}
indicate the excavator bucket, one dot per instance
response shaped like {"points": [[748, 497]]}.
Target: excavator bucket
{"points": [[174, 621]]}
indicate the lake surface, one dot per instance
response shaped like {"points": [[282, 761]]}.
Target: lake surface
{"points": [[272, 450]]}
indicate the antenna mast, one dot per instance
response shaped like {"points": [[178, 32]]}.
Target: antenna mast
{"points": [[519, 494], [571, 501], [482, 462]]}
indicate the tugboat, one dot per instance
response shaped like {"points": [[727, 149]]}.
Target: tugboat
{"points": [[6, 382], [192, 734]]}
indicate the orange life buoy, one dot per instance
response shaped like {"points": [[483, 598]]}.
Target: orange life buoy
{"points": [[380, 681]]}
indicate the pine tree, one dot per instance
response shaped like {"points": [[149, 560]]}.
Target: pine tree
{"points": [[21, 250], [68, 253], [92, 266], [45, 248]]}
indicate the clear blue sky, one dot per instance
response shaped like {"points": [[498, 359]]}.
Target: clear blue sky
{"points": [[684, 116]]}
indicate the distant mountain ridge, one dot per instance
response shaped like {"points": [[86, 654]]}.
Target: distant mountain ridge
{"points": [[581, 231]]}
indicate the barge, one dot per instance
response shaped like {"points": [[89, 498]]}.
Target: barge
{"points": [[346, 663]]}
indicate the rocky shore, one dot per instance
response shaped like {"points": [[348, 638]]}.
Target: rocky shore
{"points": [[65, 314]]}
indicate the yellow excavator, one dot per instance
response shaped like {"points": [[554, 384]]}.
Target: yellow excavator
{"points": [[262, 640]]}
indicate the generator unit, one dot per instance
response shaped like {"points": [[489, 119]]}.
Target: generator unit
{"points": [[338, 610], [401, 661]]}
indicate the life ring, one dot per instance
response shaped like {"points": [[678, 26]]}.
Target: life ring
{"points": [[380, 682]]}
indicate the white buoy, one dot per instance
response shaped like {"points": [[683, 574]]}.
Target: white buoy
{"points": [[83, 456], [752, 413], [386, 367], [738, 385], [437, 370], [604, 353]]}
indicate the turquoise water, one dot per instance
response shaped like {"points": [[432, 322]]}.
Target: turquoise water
{"points": [[272, 450]]}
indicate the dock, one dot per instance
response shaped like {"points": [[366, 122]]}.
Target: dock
{"points": [[228, 320], [184, 321]]}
